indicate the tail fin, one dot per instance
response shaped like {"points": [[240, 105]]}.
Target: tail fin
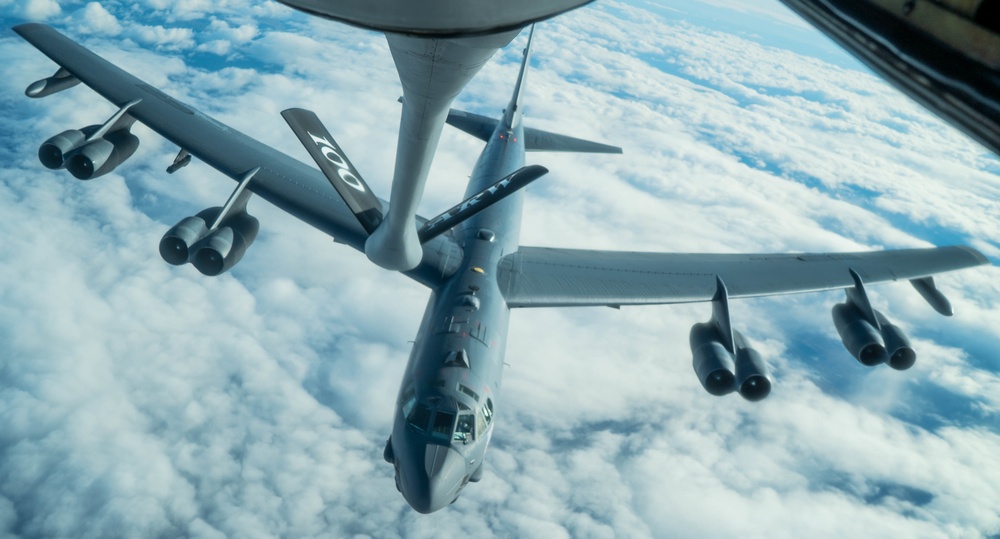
{"points": [[335, 166], [512, 115], [535, 140]]}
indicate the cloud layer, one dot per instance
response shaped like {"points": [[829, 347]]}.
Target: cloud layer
{"points": [[138, 399]]}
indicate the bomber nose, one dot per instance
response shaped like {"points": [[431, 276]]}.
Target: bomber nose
{"points": [[435, 480]]}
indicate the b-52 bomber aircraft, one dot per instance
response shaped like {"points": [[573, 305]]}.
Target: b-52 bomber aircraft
{"points": [[471, 259]]}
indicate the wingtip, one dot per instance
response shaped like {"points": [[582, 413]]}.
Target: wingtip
{"points": [[537, 169], [977, 256], [20, 29], [293, 111]]}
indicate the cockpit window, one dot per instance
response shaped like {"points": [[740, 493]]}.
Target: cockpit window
{"points": [[463, 430], [407, 393], [408, 406], [443, 423], [480, 423], [468, 391], [419, 416], [483, 417]]}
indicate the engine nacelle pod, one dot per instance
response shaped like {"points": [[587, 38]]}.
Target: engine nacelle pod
{"points": [[897, 345], [860, 338], [175, 247], [752, 375], [225, 246], [101, 156], [712, 362], [53, 152]]}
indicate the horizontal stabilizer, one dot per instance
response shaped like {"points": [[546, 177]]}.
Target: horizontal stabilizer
{"points": [[535, 140], [480, 201], [478, 126], [336, 167]]}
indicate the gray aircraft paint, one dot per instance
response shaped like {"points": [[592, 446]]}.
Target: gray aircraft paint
{"points": [[477, 271], [439, 18], [432, 72], [467, 318]]}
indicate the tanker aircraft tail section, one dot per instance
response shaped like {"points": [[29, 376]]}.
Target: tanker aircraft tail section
{"points": [[469, 256], [535, 140]]}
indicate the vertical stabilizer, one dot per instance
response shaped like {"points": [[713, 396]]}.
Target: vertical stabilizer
{"points": [[512, 115], [535, 140]]}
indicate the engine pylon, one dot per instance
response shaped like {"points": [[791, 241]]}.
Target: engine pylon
{"points": [[723, 358]]}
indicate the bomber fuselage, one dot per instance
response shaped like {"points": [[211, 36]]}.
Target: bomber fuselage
{"points": [[450, 390]]}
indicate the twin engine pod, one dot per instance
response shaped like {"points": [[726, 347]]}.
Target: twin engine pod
{"points": [[86, 157], [722, 372], [211, 251], [872, 344]]}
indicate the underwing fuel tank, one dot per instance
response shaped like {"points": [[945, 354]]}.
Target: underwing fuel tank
{"points": [[62, 80]]}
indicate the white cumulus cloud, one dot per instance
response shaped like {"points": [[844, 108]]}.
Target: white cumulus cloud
{"points": [[98, 19], [139, 399]]}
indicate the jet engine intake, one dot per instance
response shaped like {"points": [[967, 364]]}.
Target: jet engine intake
{"points": [[175, 247], [53, 152], [860, 338], [752, 374], [897, 345], [225, 246], [711, 360], [98, 157]]}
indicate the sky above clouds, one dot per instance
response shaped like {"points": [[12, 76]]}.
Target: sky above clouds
{"points": [[142, 400]]}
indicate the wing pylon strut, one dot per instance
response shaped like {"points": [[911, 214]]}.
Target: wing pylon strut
{"points": [[720, 315]]}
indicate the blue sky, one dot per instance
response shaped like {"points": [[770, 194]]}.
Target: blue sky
{"points": [[145, 400]]}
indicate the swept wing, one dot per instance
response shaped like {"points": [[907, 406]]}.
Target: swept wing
{"points": [[286, 182], [544, 277]]}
